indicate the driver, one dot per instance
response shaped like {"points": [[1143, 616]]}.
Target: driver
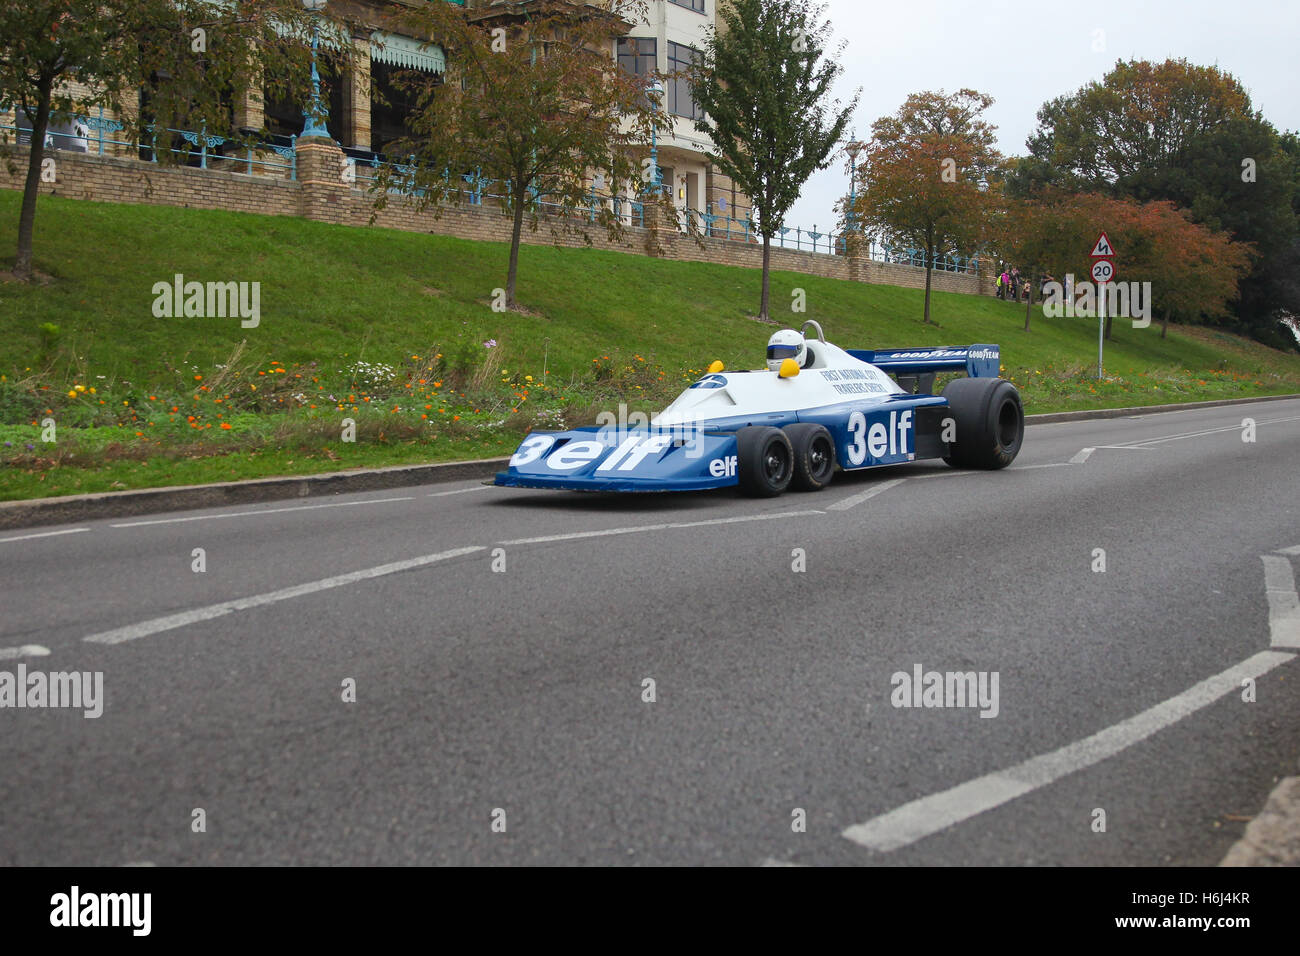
{"points": [[786, 344]]}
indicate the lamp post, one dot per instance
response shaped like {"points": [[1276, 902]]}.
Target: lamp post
{"points": [[655, 92], [853, 148], [317, 114]]}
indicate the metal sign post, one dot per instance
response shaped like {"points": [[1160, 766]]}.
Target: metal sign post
{"points": [[1103, 271]]}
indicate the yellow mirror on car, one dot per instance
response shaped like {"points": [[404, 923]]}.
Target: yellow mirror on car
{"points": [[789, 369]]}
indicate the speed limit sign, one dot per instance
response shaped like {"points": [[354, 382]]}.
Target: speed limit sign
{"points": [[1103, 271]]}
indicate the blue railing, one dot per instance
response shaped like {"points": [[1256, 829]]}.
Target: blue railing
{"points": [[202, 146]]}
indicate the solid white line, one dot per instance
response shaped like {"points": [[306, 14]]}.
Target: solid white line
{"points": [[458, 491], [1283, 602], [1082, 456], [1294, 549], [1198, 434], [1050, 464], [44, 534], [265, 511], [27, 650], [1125, 447], [847, 503], [184, 618], [659, 527], [928, 815]]}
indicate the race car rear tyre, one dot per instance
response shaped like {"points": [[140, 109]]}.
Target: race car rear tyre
{"points": [[814, 456], [765, 461], [990, 422]]}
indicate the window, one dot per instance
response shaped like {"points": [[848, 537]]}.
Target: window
{"points": [[696, 5], [680, 101], [637, 55]]}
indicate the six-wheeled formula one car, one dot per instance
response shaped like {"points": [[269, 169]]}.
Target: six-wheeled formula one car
{"points": [[816, 408]]}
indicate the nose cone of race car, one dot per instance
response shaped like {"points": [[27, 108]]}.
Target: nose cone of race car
{"points": [[611, 459]]}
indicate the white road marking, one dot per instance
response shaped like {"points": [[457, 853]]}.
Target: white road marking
{"points": [[184, 618], [847, 503], [1198, 434], [264, 511], [1050, 464], [1126, 448], [27, 650], [44, 534], [1283, 602], [458, 491], [659, 527], [928, 815], [1082, 456], [947, 473], [1294, 549]]}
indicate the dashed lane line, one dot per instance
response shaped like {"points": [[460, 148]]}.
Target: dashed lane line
{"points": [[929, 815], [172, 621], [844, 504], [1283, 603], [263, 511], [27, 650], [43, 534], [575, 535], [1139, 443]]}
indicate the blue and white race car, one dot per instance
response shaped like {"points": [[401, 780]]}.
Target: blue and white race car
{"points": [[816, 408]]}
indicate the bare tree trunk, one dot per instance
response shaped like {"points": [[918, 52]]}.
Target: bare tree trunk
{"points": [[516, 235], [1164, 324], [31, 188], [767, 277], [929, 270], [1029, 303], [1110, 320]]}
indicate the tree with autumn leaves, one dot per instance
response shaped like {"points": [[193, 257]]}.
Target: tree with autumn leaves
{"points": [[533, 101], [188, 58], [930, 176], [1194, 271], [1186, 134]]}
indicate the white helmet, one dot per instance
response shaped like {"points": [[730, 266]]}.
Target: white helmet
{"points": [[786, 344]]}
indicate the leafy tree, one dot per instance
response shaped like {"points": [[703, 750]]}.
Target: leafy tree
{"points": [[763, 82], [1193, 270], [1187, 134], [534, 101], [931, 175], [62, 57], [1037, 233]]}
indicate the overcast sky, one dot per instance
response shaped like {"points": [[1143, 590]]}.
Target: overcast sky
{"points": [[1025, 52]]}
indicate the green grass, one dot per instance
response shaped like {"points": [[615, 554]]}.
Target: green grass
{"points": [[600, 327]]}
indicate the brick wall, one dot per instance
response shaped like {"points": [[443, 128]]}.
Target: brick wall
{"points": [[320, 193]]}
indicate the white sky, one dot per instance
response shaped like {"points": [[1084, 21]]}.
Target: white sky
{"points": [[1025, 52]]}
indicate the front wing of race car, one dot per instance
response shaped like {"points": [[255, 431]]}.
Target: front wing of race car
{"points": [[607, 459]]}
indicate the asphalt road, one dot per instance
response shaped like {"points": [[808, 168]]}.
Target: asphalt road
{"points": [[522, 690]]}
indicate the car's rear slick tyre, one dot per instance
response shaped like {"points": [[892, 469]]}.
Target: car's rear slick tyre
{"points": [[814, 456], [990, 422], [765, 461]]}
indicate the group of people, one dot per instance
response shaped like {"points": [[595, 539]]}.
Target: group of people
{"points": [[1012, 286]]}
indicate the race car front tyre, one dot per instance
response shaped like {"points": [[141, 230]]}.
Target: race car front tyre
{"points": [[990, 422], [765, 461], [814, 456]]}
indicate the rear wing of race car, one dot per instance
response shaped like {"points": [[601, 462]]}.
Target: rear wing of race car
{"points": [[915, 368]]}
